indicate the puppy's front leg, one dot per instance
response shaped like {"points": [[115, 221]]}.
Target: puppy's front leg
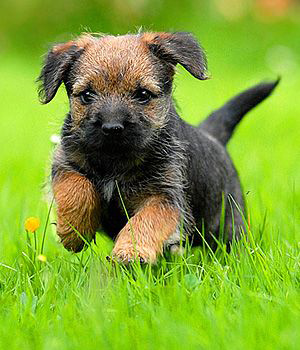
{"points": [[143, 236], [77, 207]]}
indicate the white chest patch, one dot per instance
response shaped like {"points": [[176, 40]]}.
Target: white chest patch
{"points": [[108, 189]]}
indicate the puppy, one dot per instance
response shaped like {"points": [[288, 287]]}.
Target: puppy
{"points": [[127, 164]]}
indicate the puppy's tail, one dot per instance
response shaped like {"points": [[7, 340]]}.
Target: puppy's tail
{"points": [[222, 122]]}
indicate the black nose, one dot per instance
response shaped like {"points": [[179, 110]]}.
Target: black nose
{"points": [[112, 128]]}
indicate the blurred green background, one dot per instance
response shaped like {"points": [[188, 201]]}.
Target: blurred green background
{"points": [[246, 42]]}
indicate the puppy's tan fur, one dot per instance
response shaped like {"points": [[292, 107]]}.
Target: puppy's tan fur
{"points": [[78, 208], [147, 230]]}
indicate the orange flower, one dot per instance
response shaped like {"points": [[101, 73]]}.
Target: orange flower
{"points": [[32, 224]]}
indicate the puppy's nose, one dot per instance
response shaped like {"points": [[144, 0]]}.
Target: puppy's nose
{"points": [[112, 128]]}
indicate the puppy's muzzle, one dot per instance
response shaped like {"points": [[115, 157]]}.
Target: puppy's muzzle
{"points": [[111, 118], [112, 128]]}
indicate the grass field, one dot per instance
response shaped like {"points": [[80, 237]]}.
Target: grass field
{"points": [[248, 299]]}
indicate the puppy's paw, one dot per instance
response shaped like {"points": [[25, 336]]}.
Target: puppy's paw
{"points": [[127, 253]]}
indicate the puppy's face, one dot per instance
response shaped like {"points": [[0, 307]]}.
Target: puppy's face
{"points": [[120, 94], [119, 87]]}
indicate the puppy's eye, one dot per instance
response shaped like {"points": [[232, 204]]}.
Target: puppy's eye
{"points": [[143, 96], [87, 97]]}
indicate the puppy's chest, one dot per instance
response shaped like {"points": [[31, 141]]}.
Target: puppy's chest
{"points": [[120, 189], [132, 186]]}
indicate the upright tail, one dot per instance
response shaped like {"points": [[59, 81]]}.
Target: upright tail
{"points": [[222, 122]]}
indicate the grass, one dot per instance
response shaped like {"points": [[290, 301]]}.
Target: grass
{"points": [[248, 299]]}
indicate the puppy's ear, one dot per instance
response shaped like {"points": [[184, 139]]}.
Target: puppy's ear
{"points": [[179, 47], [57, 65]]}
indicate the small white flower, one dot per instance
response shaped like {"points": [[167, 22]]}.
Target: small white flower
{"points": [[55, 139]]}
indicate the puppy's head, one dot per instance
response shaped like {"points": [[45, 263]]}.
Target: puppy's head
{"points": [[119, 87]]}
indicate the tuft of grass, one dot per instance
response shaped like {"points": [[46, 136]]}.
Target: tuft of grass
{"points": [[202, 299]]}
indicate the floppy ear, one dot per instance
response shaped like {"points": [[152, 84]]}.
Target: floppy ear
{"points": [[179, 47], [57, 65]]}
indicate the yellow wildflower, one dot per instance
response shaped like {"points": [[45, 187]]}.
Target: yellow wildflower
{"points": [[32, 224], [42, 258]]}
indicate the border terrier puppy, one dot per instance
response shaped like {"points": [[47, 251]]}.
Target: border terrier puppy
{"points": [[125, 151]]}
